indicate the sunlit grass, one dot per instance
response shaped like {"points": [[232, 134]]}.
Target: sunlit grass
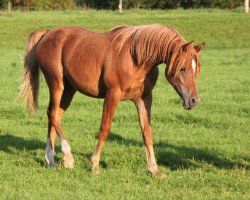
{"points": [[204, 152]]}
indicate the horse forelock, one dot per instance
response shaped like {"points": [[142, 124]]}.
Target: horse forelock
{"points": [[148, 44], [177, 61]]}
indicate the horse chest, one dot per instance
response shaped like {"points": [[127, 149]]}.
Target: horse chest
{"points": [[135, 90]]}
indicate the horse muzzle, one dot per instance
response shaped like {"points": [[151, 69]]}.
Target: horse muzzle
{"points": [[191, 102]]}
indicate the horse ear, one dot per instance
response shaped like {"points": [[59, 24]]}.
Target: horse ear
{"points": [[187, 46], [199, 47]]}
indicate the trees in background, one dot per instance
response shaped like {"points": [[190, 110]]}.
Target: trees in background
{"points": [[113, 4], [39, 4], [160, 4]]}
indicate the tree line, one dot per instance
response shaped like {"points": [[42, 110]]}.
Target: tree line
{"points": [[113, 4]]}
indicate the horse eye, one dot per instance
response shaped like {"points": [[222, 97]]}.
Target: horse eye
{"points": [[183, 69]]}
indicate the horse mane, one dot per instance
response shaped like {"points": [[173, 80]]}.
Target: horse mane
{"points": [[148, 43]]}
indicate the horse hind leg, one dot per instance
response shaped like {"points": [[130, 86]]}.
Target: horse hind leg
{"points": [[50, 147], [60, 99], [66, 99]]}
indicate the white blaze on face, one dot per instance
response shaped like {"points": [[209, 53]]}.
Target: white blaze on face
{"points": [[194, 65]]}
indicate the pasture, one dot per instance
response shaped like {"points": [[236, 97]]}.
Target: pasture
{"points": [[204, 153]]}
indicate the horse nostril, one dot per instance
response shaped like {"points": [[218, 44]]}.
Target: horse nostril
{"points": [[193, 101]]}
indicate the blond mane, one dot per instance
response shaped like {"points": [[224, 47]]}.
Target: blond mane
{"points": [[149, 44]]}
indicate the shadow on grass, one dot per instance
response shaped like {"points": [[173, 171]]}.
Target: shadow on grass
{"points": [[124, 141], [171, 155], [8, 141], [11, 144], [88, 156], [183, 157]]}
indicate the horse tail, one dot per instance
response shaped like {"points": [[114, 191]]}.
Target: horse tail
{"points": [[29, 89]]}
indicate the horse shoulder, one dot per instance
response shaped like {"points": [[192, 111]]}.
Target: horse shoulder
{"points": [[150, 80]]}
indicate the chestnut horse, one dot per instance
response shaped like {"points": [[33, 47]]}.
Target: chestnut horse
{"points": [[121, 64]]}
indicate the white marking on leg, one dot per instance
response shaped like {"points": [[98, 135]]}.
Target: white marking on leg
{"points": [[49, 154], [68, 158], [65, 147], [194, 65]]}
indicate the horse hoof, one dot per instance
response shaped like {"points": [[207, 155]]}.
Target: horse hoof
{"points": [[157, 173], [68, 161], [95, 170], [69, 164], [51, 163]]}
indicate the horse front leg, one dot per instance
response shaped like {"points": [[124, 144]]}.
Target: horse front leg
{"points": [[144, 108], [110, 103]]}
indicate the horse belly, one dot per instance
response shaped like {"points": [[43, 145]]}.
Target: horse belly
{"points": [[85, 74], [86, 80], [83, 62]]}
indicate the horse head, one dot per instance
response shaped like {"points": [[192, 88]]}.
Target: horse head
{"points": [[181, 71]]}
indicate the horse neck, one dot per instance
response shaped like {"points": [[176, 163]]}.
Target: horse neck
{"points": [[167, 54]]}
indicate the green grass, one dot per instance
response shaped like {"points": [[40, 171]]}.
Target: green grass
{"points": [[204, 153]]}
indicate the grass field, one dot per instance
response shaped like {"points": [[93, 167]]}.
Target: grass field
{"points": [[205, 153]]}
